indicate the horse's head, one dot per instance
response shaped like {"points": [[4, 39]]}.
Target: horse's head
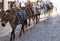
{"points": [[4, 17]]}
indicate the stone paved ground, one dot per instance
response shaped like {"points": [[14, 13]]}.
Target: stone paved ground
{"points": [[48, 30]]}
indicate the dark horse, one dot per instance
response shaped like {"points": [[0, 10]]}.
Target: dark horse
{"points": [[30, 13], [48, 8], [10, 17]]}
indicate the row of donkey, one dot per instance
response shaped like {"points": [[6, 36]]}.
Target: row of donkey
{"points": [[16, 17]]}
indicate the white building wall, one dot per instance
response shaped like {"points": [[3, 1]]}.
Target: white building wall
{"points": [[57, 5], [5, 5]]}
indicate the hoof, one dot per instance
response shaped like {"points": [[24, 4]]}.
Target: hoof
{"points": [[20, 35], [13, 37], [24, 32], [10, 39], [29, 24], [36, 22]]}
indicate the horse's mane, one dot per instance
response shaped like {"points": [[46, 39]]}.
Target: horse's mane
{"points": [[8, 11]]}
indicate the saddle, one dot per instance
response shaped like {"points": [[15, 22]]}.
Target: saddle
{"points": [[31, 10], [48, 6], [21, 15]]}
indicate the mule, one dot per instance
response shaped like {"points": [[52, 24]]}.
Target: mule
{"points": [[10, 17], [29, 11], [29, 14], [48, 7]]}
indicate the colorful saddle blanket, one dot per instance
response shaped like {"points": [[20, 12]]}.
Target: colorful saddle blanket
{"points": [[22, 15]]}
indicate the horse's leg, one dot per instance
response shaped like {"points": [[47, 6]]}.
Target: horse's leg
{"points": [[33, 19], [22, 29], [20, 32], [36, 19], [11, 37], [29, 22], [26, 23], [39, 16], [48, 15], [13, 33], [44, 13]]}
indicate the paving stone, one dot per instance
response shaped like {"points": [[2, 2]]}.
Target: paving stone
{"points": [[48, 30]]}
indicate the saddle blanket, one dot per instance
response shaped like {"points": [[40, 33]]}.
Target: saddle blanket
{"points": [[48, 7], [22, 15]]}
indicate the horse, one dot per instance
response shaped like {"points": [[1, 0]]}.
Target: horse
{"points": [[37, 13], [11, 17], [48, 7], [29, 13]]}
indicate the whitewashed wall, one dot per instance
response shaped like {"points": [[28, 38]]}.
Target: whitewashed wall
{"points": [[5, 4], [56, 4]]}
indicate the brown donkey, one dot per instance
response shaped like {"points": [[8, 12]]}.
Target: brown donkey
{"points": [[10, 17], [29, 14]]}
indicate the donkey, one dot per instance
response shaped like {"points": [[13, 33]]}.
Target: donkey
{"points": [[48, 7], [12, 18]]}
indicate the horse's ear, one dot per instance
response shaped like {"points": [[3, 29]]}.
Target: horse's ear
{"points": [[2, 11], [9, 11]]}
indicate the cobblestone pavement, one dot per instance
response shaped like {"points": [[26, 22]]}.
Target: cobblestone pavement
{"points": [[48, 30]]}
